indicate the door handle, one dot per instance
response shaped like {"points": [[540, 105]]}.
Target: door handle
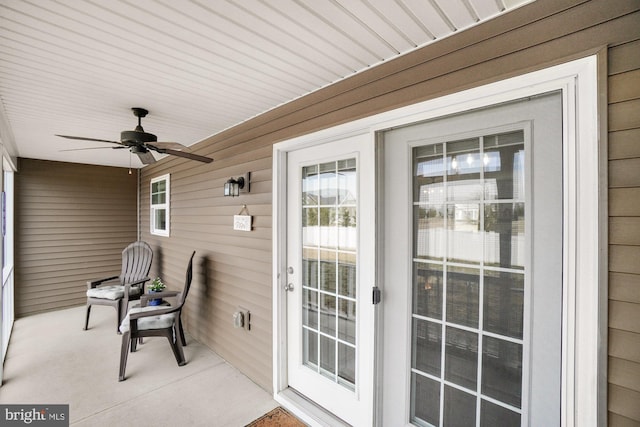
{"points": [[288, 287]]}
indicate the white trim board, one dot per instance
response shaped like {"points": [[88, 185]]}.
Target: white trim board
{"points": [[584, 195]]}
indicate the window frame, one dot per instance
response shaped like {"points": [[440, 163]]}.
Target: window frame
{"points": [[154, 207]]}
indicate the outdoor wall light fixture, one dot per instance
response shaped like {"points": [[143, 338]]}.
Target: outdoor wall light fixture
{"points": [[233, 186]]}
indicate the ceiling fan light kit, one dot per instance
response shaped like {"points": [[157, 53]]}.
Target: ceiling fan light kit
{"points": [[141, 143]]}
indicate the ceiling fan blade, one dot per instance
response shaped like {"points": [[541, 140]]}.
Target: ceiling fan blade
{"points": [[81, 138], [146, 158], [190, 156], [169, 145], [88, 148], [93, 148]]}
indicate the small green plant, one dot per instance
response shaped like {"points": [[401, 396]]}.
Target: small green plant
{"points": [[156, 285]]}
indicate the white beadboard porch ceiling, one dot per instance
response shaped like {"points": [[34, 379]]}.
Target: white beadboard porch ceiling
{"points": [[76, 67]]}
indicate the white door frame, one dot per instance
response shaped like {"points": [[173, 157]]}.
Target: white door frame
{"points": [[584, 239]]}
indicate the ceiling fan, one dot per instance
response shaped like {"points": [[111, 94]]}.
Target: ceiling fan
{"points": [[142, 143]]}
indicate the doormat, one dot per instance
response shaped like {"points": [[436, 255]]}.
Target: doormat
{"points": [[278, 417]]}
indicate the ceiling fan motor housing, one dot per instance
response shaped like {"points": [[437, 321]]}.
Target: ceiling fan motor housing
{"points": [[137, 136]]}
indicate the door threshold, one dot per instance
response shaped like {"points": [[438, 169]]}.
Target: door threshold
{"points": [[306, 410]]}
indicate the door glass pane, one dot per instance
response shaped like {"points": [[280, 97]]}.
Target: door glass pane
{"points": [[504, 303], [310, 268], [504, 244], [328, 314], [463, 285], [328, 230], [459, 407], [329, 270], [310, 235], [346, 365], [502, 370], [429, 231], [428, 196], [347, 320], [429, 174], [492, 415], [468, 280], [327, 357], [347, 228], [310, 308], [464, 240], [427, 290], [328, 184], [427, 346], [425, 402], [461, 358], [463, 170], [310, 344], [503, 161], [347, 274], [347, 183], [310, 195]]}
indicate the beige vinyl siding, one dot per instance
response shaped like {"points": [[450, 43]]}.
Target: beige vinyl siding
{"points": [[231, 268], [234, 268], [72, 222], [624, 234]]}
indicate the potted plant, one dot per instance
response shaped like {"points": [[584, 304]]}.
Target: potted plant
{"points": [[156, 286]]}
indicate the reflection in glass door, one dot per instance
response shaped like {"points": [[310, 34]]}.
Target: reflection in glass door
{"points": [[329, 305], [468, 281]]}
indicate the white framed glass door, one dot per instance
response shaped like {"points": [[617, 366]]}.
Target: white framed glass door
{"points": [[473, 268], [583, 322], [330, 249]]}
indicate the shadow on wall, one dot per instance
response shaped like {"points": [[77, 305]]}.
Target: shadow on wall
{"points": [[199, 321], [158, 262], [204, 301]]}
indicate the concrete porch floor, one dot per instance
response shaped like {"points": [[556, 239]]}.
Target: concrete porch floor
{"points": [[51, 360]]}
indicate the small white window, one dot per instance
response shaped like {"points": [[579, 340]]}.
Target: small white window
{"points": [[160, 208]]}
